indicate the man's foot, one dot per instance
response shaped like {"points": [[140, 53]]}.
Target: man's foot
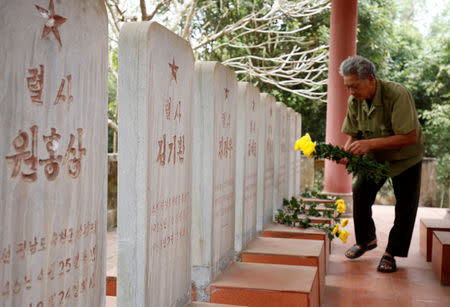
{"points": [[358, 250], [387, 264]]}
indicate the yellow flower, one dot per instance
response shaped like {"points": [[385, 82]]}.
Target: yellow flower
{"points": [[340, 206], [309, 148], [344, 222], [300, 143], [336, 229], [343, 235]]}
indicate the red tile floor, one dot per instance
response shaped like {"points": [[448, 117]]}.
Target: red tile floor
{"points": [[355, 283], [358, 283]]}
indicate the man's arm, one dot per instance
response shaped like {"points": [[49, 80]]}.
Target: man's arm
{"points": [[359, 147]]}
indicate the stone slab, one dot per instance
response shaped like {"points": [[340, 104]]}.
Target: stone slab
{"points": [[292, 120], [267, 170], [280, 159], [275, 230], [261, 123], [53, 157], [427, 226], [213, 179], [283, 251], [246, 164], [440, 258], [298, 156], [264, 285], [156, 69]]}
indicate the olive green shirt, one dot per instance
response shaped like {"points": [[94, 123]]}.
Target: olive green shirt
{"points": [[391, 112]]}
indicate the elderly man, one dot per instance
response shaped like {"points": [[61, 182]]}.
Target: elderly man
{"points": [[382, 122]]}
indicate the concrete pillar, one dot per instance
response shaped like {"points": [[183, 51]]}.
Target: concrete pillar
{"points": [[344, 15]]}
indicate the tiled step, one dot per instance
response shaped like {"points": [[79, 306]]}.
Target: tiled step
{"points": [[427, 226], [441, 256], [266, 285], [275, 230], [285, 251]]}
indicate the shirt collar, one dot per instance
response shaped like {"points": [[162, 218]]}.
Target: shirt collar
{"points": [[376, 101]]}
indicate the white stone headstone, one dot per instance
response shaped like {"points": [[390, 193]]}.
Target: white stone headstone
{"points": [[292, 120], [261, 123], [246, 164], [214, 156], [298, 156], [53, 153], [283, 157], [269, 137], [156, 78]]}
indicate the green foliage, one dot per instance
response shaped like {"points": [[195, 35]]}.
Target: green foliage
{"points": [[298, 212], [362, 165]]}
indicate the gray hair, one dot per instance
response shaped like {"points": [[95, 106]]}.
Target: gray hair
{"points": [[357, 65]]}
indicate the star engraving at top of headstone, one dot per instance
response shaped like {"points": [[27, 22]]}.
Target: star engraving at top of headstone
{"points": [[253, 105], [227, 91], [52, 21], [174, 69]]}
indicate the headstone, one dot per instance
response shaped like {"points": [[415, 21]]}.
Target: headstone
{"points": [[298, 156], [280, 163], [53, 153], [292, 120], [270, 106], [307, 173], [246, 164], [156, 70], [261, 123], [214, 156]]}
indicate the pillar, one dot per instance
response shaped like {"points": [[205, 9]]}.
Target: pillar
{"points": [[344, 16]]}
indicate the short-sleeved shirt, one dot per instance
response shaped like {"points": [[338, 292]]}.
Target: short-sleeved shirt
{"points": [[391, 112]]}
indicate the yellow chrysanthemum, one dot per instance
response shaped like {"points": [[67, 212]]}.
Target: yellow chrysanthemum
{"points": [[336, 229], [309, 148], [340, 206], [343, 235], [300, 143], [344, 222]]}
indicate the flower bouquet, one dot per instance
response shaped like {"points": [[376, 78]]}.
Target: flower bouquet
{"points": [[358, 165]]}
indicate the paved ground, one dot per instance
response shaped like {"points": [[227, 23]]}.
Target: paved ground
{"points": [[355, 283]]}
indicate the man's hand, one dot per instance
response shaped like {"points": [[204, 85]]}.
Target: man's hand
{"points": [[359, 147]]}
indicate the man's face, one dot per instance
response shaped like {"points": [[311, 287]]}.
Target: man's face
{"points": [[360, 89]]}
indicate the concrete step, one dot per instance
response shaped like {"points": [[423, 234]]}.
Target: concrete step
{"points": [[266, 285], [440, 258], [285, 251], [427, 226], [275, 230]]}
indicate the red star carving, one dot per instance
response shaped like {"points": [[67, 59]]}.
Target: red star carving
{"points": [[174, 69], [227, 91], [53, 21]]}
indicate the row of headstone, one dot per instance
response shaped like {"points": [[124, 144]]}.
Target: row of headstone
{"points": [[201, 169]]}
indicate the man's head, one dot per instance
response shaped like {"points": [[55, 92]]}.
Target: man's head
{"points": [[359, 77]]}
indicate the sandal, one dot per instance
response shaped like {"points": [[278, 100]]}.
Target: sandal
{"points": [[387, 264], [357, 250]]}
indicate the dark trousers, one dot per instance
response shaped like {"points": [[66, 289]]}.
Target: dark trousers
{"points": [[407, 192]]}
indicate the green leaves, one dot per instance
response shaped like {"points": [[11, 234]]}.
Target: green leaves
{"points": [[356, 165]]}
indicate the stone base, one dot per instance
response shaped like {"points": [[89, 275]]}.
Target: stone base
{"points": [[274, 230], [440, 259], [282, 251], [267, 285], [427, 226]]}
